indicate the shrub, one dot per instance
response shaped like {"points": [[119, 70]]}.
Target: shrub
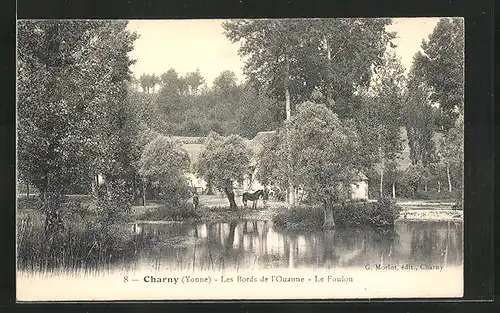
{"points": [[167, 213], [381, 213]]}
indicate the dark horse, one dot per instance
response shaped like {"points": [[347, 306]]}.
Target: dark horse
{"points": [[254, 197]]}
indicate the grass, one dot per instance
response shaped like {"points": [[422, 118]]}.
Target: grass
{"points": [[85, 241], [350, 214]]}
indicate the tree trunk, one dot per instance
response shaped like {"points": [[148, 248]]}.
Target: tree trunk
{"points": [[425, 187], [134, 188], [209, 188], [394, 190], [328, 210], [143, 193], [291, 195], [230, 196], [439, 186], [329, 56], [27, 190], [95, 186], [381, 166], [448, 177]]}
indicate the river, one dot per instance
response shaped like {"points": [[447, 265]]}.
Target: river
{"points": [[260, 245]]}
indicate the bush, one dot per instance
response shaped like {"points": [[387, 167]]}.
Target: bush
{"points": [[381, 213], [168, 213]]}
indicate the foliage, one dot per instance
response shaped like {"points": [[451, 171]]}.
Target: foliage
{"points": [[85, 243], [379, 119], [257, 112], [183, 212], [323, 151], [224, 161], [451, 150], [272, 170], [299, 54], [73, 116], [416, 175], [163, 162], [442, 65], [419, 117], [350, 214]]}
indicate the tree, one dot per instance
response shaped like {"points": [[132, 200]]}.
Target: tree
{"points": [[256, 112], [205, 159], [170, 102], [442, 64], [419, 116], [323, 147], [225, 163], [291, 58], [225, 84], [194, 80], [164, 163], [451, 152], [379, 119], [272, 170], [416, 175], [147, 82], [71, 104]]}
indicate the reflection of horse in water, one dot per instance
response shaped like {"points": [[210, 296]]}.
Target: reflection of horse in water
{"points": [[254, 197]]}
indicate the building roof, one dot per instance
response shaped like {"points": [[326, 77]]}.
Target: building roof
{"points": [[193, 150], [257, 142]]}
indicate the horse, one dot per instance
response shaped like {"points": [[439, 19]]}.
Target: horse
{"points": [[254, 197]]}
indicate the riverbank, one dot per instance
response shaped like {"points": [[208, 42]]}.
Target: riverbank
{"points": [[215, 208]]}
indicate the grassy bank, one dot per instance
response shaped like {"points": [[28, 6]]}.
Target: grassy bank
{"points": [[84, 242], [186, 213], [348, 214]]}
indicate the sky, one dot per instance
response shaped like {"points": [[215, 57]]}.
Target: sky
{"points": [[186, 45]]}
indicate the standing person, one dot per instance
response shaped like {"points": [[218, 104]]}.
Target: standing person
{"points": [[265, 196]]}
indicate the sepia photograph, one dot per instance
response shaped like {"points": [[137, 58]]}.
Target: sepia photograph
{"points": [[239, 159]]}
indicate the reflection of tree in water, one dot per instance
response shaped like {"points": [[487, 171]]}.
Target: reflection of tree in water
{"points": [[437, 243], [229, 245], [383, 242]]}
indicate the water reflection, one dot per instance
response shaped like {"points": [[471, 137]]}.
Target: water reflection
{"points": [[257, 244]]}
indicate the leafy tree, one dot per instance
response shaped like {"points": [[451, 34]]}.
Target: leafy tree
{"points": [[442, 63], [203, 164], [323, 148], [256, 113], [224, 161], [163, 162], [419, 117], [71, 103], [290, 58], [148, 82], [194, 80], [225, 84], [451, 152], [169, 101], [272, 170], [379, 120], [416, 175]]}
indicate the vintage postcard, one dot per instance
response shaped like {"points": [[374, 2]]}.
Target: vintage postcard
{"points": [[240, 159]]}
